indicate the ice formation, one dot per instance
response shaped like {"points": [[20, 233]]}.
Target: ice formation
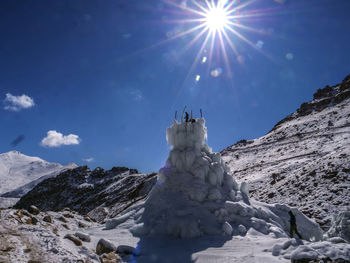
{"points": [[340, 226], [195, 195]]}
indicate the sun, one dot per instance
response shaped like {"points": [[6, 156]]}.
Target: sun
{"points": [[216, 18], [218, 25]]}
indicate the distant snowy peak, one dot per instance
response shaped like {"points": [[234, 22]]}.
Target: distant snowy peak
{"points": [[17, 170], [15, 156]]}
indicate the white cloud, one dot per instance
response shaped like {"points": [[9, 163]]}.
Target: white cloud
{"points": [[17, 103], [89, 160], [57, 139], [136, 94]]}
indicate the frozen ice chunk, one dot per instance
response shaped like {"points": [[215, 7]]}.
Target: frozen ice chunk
{"points": [[239, 208], [216, 157], [304, 251], [340, 226], [227, 228], [228, 181], [244, 188], [214, 194], [189, 158], [183, 228], [233, 195], [242, 229], [212, 178], [198, 194]]}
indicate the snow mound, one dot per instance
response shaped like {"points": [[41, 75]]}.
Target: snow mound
{"points": [[195, 196]]}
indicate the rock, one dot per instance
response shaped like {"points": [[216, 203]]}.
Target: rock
{"points": [[105, 246], [33, 210], [110, 258], [64, 220], [86, 218], [126, 250], [47, 219], [83, 236], [68, 215], [24, 212], [74, 239], [82, 225], [34, 220], [66, 226], [98, 214]]}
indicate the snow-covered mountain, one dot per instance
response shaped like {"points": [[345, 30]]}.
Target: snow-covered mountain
{"points": [[19, 173], [304, 161]]}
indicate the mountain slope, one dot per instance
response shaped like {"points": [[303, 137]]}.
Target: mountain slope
{"points": [[18, 170], [100, 193], [304, 160]]}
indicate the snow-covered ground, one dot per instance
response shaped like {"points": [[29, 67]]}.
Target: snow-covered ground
{"points": [[21, 241]]}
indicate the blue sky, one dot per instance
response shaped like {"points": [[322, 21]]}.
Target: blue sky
{"points": [[102, 71]]}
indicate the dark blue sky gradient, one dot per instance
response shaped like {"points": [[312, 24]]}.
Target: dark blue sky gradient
{"points": [[97, 69]]}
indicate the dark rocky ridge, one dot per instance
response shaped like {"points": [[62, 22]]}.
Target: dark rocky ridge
{"points": [[323, 98], [304, 160], [98, 193]]}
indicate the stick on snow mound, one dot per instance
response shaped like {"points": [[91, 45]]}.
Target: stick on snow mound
{"points": [[194, 195]]}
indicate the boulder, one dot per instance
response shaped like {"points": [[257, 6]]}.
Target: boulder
{"points": [[110, 258], [47, 219], [33, 210], [126, 250], [105, 246], [63, 219], [34, 220], [74, 239], [83, 237]]}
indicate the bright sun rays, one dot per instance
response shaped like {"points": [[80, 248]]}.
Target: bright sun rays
{"points": [[219, 25], [216, 18]]}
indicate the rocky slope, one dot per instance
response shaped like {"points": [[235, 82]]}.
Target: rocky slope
{"points": [[99, 193], [19, 173], [304, 160]]}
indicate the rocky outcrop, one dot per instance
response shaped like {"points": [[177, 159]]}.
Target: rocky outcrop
{"points": [[323, 98], [99, 193], [304, 161]]}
